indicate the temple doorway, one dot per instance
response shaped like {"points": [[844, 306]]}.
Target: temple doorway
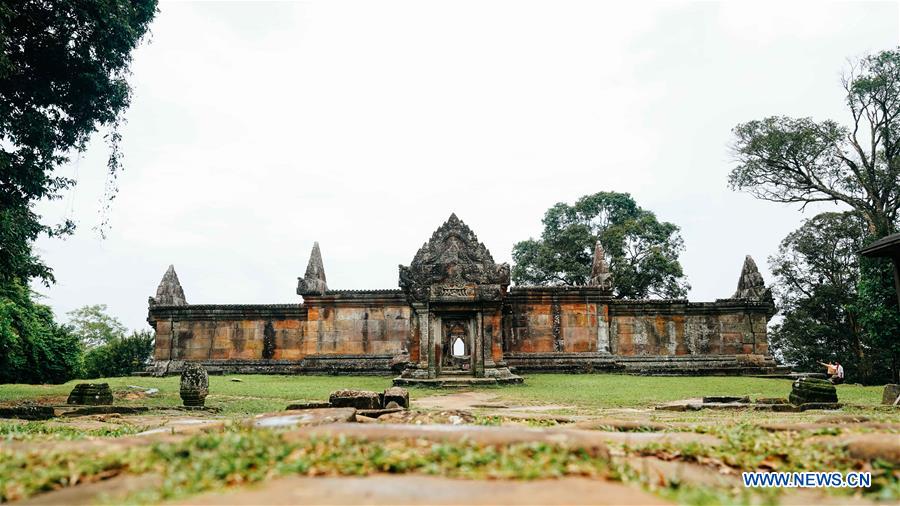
{"points": [[456, 349]]}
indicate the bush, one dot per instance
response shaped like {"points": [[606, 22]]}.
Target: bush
{"points": [[33, 347], [120, 356]]}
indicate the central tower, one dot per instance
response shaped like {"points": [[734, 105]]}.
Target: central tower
{"points": [[456, 291]]}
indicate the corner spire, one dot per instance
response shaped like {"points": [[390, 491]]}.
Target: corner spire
{"points": [[313, 282], [169, 292], [751, 284], [600, 275]]}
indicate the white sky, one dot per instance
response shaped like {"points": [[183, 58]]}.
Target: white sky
{"points": [[258, 128]]}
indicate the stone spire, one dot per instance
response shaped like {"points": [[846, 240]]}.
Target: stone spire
{"points": [[313, 282], [169, 292], [751, 284], [600, 275]]}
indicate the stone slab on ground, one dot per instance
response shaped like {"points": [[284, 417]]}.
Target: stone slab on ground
{"points": [[27, 412], [590, 440], [797, 427], [726, 398], [185, 426], [478, 434], [308, 405], [105, 410], [450, 416], [112, 490], [418, 489], [376, 413], [623, 425], [304, 417], [874, 446]]}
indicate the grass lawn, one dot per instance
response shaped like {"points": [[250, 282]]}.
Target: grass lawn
{"points": [[261, 393], [619, 390]]}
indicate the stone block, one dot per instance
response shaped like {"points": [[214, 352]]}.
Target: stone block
{"points": [[812, 390], [727, 398], [194, 384], [27, 412], [398, 395], [91, 393], [890, 394], [359, 399]]}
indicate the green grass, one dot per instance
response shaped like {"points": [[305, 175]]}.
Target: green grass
{"points": [[253, 394], [261, 393], [594, 391], [42, 431]]}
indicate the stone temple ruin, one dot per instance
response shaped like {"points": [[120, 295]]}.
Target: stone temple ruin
{"points": [[455, 318]]}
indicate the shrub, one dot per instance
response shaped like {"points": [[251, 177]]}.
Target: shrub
{"points": [[120, 356]]}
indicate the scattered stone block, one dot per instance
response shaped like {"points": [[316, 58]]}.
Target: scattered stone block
{"points": [[771, 400], [308, 405], [359, 399], [851, 419], [806, 406], [288, 419], [27, 412], [875, 446], [90, 393], [812, 390], [376, 413], [398, 395], [194, 384], [106, 410], [784, 408], [726, 398], [890, 395]]}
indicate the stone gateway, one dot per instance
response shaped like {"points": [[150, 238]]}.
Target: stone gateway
{"points": [[456, 318]]}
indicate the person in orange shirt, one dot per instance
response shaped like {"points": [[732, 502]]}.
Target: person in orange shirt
{"points": [[835, 372]]}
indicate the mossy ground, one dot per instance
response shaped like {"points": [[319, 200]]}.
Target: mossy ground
{"points": [[238, 455]]}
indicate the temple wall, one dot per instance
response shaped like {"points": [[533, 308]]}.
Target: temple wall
{"points": [[572, 320], [539, 328], [336, 324], [726, 327], [363, 324], [547, 320]]}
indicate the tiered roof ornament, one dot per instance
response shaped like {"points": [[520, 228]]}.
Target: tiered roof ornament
{"points": [[169, 291], [600, 275], [751, 284], [453, 264], [313, 282]]}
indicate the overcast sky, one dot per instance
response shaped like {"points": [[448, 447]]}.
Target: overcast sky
{"points": [[258, 128]]}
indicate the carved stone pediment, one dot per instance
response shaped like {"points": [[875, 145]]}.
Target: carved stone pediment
{"points": [[453, 265]]}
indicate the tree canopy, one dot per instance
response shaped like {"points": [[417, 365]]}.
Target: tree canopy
{"points": [[94, 327], [801, 160], [63, 70], [830, 311], [643, 252]]}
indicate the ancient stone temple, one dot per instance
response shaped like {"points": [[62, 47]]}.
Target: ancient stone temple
{"points": [[456, 318]]}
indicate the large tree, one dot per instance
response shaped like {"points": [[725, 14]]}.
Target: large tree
{"points": [[643, 252], [800, 160], [63, 70], [824, 304], [816, 272]]}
